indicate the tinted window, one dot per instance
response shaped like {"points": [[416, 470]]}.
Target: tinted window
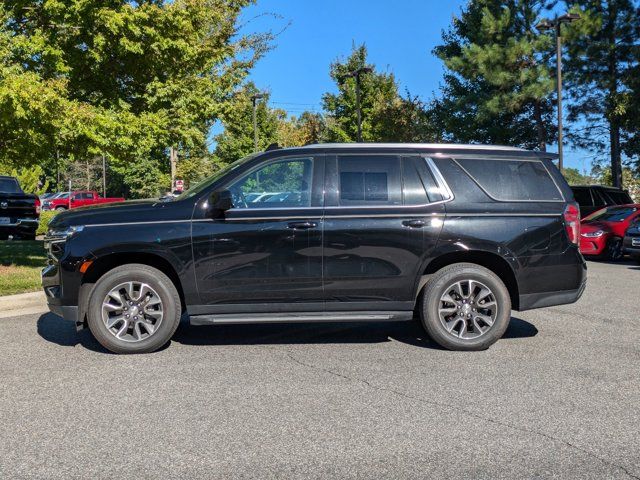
{"points": [[619, 198], [615, 214], [512, 180], [582, 196], [281, 184], [9, 185], [418, 185], [369, 180]]}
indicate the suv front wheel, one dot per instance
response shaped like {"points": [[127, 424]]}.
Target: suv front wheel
{"points": [[465, 307], [134, 308]]}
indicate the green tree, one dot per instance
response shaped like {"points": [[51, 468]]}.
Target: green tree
{"points": [[574, 177], [31, 180], [498, 84], [386, 115], [601, 70], [237, 139], [630, 180], [128, 79]]}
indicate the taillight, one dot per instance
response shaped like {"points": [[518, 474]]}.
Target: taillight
{"points": [[572, 222], [37, 206]]}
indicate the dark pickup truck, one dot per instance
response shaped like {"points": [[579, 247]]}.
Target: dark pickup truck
{"points": [[19, 211]]}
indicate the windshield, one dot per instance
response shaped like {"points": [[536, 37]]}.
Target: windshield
{"points": [[62, 195], [9, 185], [195, 190], [615, 214]]}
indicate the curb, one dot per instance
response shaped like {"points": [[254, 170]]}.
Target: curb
{"points": [[23, 304]]}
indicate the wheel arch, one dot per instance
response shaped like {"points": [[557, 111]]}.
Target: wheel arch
{"points": [[108, 262], [492, 261]]}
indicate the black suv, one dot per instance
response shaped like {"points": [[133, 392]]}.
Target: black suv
{"points": [[592, 198], [459, 235]]}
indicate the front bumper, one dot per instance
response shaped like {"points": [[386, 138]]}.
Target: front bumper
{"points": [[593, 245]]}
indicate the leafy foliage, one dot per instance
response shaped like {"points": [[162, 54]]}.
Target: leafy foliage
{"points": [[81, 78], [30, 179], [498, 82], [574, 177], [386, 115]]}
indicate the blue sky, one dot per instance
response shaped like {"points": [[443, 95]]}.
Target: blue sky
{"points": [[400, 36]]}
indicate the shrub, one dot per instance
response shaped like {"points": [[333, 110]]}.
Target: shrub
{"points": [[45, 218]]}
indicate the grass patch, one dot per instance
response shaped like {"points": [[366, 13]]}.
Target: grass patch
{"points": [[20, 266]]}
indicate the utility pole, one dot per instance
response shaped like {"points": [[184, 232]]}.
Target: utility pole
{"points": [[556, 25], [173, 158], [356, 74], [254, 101]]}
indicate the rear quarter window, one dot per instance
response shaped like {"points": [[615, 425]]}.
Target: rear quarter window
{"points": [[513, 180]]}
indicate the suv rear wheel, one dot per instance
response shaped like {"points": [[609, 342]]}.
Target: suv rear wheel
{"points": [[134, 309], [465, 307]]}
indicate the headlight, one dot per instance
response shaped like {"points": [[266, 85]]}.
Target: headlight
{"points": [[597, 233], [65, 233]]}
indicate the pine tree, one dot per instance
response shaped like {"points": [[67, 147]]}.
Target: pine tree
{"points": [[498, 83], [601, 71]]}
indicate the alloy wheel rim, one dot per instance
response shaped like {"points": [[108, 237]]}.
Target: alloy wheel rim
{"points": [[467, 309], [132, 311]]}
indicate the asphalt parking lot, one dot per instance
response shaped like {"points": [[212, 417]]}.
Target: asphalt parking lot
{"points": [[559, 396]]}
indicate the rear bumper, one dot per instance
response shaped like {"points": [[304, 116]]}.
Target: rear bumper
{"points": [[20, 226], [549, 299]]}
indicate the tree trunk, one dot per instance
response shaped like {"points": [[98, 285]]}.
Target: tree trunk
{"points": [[542, 136], [614, 121], [616, 157]]}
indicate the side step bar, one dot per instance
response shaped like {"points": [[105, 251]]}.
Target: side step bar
{"points": [[299, 317]]}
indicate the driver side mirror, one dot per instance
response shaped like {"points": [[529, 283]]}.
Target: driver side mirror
{"points": [[219, 202]]}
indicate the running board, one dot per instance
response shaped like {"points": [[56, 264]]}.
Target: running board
{"points": [[243, 318]]}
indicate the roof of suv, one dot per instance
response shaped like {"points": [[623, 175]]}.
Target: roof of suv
{"points": [[604, 187], [439, 147]]}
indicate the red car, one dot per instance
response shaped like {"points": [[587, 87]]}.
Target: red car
{"points": [[602, 231], [79, 198]]}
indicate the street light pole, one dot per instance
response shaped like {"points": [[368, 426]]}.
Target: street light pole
{"points": [[356, 74], [556, 25], [254, 101]]}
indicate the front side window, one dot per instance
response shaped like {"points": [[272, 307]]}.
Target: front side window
{"points": [[369, 180], [513, 180], [280, 184]]}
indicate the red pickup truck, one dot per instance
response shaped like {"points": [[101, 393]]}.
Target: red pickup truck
{"points": [[79, 198]]}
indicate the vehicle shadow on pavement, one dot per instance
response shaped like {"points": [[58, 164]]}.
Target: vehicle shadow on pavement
{"points": [[61, 332], [410, 333], [54, 329]]}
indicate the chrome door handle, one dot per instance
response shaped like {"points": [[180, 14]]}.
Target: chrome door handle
{"points": [[302, 225], [414, 223]]}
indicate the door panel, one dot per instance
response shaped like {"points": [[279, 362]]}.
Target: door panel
{"points": [[376, 242], [263, 253]]}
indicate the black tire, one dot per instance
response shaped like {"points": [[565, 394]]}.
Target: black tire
{"points": [[60, 209], [157, 280], [613, 251], [636, 258], [438, 285]]}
